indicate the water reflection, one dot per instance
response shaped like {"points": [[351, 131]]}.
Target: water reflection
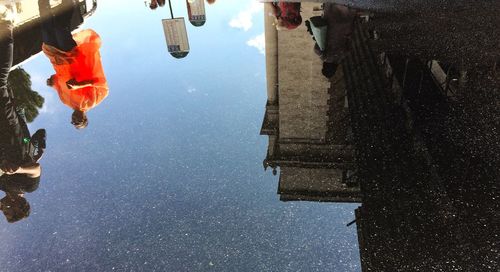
{"points": [[30, 101], [20, 154], [393, 119], [287, 15], [28, 26], [79, 79], [155, 3], [175, 30], [19, 151], [196, 12], [365, 110]]}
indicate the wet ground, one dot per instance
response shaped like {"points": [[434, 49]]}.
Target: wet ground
{"points": [[169, 176]]}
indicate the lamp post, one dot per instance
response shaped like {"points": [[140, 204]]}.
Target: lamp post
{"points": [[171, 12]]}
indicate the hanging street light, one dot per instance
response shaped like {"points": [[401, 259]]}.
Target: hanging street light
{"points": [[176, 35], [196, 12]]}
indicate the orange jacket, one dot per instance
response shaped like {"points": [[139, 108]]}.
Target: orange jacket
{"points": [[82, 63]]}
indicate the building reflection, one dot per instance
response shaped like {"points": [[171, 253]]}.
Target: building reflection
{"points": [[397, 128], [307, 122]]}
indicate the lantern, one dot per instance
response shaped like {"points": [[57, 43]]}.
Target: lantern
{"points": [[196, 12]]}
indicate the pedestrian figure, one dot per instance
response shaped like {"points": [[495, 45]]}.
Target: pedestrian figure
{"points": [[155, 3], [19, 152], [79, 79], [340, 26], [287, 15], [14, 205]]}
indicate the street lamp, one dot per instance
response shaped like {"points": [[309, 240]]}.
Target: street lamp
{"points": [[196, 12], [176, 35]]}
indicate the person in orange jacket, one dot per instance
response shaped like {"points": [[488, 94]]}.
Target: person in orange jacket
{"points": [[79, 79], [287, 15]]}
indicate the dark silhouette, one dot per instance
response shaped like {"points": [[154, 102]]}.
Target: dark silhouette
{"points": [[14, 206], [339, 22], [6, 99], [19, 152]]}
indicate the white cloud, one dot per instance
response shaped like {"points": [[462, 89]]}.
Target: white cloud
{"points": [[244, 19], [258, 42], [191, 90]]}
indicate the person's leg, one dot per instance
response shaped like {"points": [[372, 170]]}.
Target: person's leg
{"points": [[56, 28], [329, 69], [40, 137], [47, 23], [63, 21], [8, 115], [6, 52], [37, 145]]}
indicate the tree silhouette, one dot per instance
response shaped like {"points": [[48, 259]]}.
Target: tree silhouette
{"points": [[20, 83]]}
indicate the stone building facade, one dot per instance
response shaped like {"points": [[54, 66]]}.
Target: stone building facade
{"points": [[306, 119], [420, 122]]}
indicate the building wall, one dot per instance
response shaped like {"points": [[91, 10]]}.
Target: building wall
{"points": [[309, 145], [303, 90], [30, 10], [323, 184]]}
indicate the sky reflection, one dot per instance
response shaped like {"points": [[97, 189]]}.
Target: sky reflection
{"points": [[168, 175]]}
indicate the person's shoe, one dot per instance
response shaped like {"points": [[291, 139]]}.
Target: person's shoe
{"points": [[38, 143], [39, 139]]}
